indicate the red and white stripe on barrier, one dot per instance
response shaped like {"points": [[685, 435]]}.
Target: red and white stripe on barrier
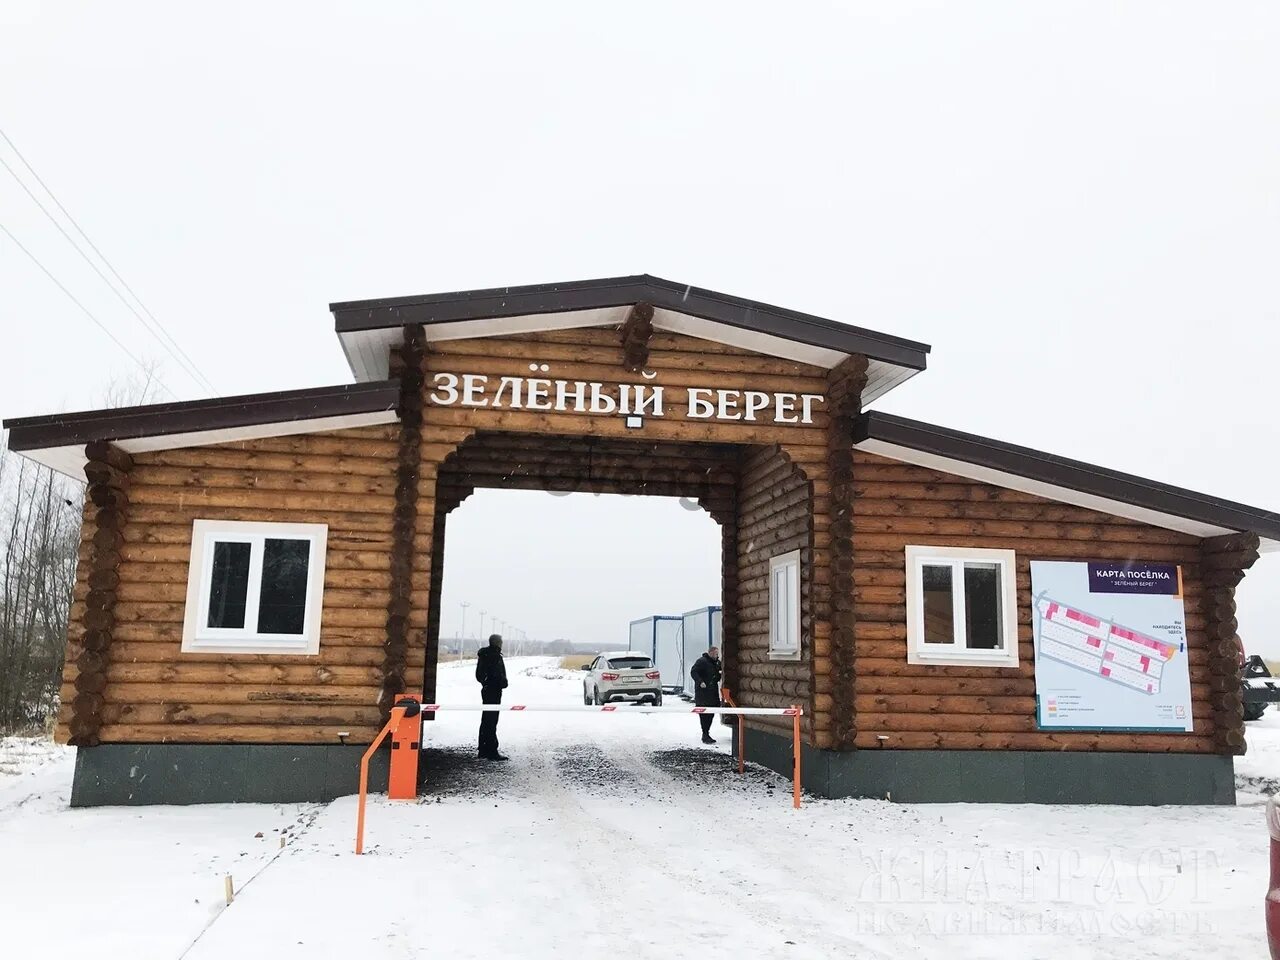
{"points": [[612, 708]]}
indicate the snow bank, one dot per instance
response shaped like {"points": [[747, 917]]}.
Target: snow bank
{"points": [[618, 833]]}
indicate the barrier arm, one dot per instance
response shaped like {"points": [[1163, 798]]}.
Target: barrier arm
{"points": [[397, 714]]}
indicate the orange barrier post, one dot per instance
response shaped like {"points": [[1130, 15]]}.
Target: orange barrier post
{"points": [[406, 746], [396, 714], [795, 748], [727, 697]]}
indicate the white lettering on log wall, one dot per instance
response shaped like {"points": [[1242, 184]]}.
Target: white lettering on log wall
{"points": [[626, 399]]}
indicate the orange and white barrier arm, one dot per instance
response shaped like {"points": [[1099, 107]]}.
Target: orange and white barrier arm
{"points": [[610, 708]]}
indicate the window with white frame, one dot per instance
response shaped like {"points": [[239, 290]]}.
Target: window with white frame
{"points": [[962, 606], [255, 587], [784, 606]]}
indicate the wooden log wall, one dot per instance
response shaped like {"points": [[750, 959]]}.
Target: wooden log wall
{"points": [[1223, 562], [154, 692], [107, 472], [914, 706], [677, 362], [775, 517]]}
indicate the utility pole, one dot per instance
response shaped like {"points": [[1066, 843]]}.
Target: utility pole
{"points": [[462, 640], [480, 638]]}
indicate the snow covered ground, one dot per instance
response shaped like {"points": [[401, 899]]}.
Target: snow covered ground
{"points": [[620, 834]]}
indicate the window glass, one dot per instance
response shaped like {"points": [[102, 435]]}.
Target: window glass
{"points": [[982, 606], [229, 585], [793, 605], [939, 606], [779, 625], [629, 663], [962, 606], [283, 604]]}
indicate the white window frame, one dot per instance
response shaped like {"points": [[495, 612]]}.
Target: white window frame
{"points": [[787, 646], [957, 653], [197, 637]]}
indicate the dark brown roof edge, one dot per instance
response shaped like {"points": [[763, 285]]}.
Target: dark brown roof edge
{"points": [[496, 302], [1062, 472], [194, 416]]}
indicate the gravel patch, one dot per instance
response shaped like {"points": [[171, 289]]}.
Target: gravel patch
{"points": [[716, 771], [457, 771], [589, 766]]}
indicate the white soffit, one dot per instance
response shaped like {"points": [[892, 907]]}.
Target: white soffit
{"points": [[69, 461], [368, 351], [529, 323], [883, 377], [753, 340], [1047, 490]]}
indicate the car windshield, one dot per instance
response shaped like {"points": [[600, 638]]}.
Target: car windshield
{"points": [[628, 663]]}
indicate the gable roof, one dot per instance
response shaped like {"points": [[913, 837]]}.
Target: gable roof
{"points": [[1059, 478], [58, 440], [368, 329]]}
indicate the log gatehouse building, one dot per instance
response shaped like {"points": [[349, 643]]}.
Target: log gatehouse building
{"points": [[259, 576]]}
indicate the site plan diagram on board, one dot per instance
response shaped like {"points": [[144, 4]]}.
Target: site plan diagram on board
{"points": [[1102, 647], [1111, 646]]}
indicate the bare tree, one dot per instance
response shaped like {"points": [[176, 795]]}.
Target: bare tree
{"points": [[40, 515], [41, 525]]}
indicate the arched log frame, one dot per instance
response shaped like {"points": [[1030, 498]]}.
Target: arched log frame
{"points": [[565, 452], [705, 473]]}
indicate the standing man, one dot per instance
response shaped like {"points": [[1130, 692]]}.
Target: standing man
{"points": [[491, 673], [706, 688]]}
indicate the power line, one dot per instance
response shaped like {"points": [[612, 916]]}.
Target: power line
{"points": [[101, 326], [181, 356]]}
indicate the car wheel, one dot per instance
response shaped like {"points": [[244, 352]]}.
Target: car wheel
{"points": [[586, 697], [1254, 711], [657, 701], [598, 702]]}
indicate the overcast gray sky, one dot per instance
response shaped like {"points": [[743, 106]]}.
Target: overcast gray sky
{"points": [[1078, 205]]}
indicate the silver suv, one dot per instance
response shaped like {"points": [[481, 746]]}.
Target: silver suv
{"points": [[624, 675]]}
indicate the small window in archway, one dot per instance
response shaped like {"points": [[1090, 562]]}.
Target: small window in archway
{"points": [[784, 606]]}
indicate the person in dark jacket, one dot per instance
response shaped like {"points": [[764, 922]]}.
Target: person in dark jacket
{"points": [[706, 687], [491, 673]]}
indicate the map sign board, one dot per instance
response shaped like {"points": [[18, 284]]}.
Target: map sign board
{"points": [[1111, 646]]}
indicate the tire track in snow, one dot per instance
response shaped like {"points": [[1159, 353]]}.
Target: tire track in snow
{"points": [[787, 930], [645, 870]]}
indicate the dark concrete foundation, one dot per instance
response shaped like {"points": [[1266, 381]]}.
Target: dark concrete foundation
{"points": [[127, 774], [1002, 776]]}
